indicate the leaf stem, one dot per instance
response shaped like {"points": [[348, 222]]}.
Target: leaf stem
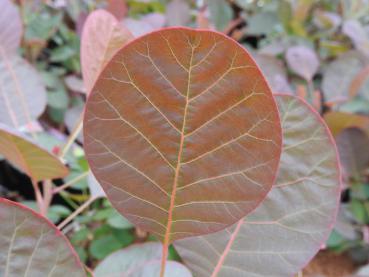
{"points": [[48, 194], [164, 259], [76, 212], [39, 198], [70, 183], [72, 137]]}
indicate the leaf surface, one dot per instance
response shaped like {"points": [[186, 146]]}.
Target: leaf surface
{"points": [[291, 224], [139, 260], [339, 75], [338, 121], [32, 246], [175, 117], [353, 147], [303, 61], [22, 93], [36, 162], [10, 27], [102, 36]]}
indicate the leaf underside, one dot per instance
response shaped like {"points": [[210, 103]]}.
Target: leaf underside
{"points": [[295, 219], [36, 162], [174, 119], [31, 246]]}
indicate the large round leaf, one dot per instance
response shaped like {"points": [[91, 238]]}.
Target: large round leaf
{"points": [[139, 260], [31, 246], [295, 219], [10, 27], [175, 118], [102, 36], [22, 93], [36, 162]]}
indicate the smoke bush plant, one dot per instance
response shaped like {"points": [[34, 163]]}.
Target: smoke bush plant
{"points": [[184, 135]]}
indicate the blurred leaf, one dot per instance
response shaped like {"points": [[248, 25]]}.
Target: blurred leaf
{"points": [[102, 36], [220, 13], [10, 28], [339, 74], [275, 73], [338, 121], [103, 246], [335, 239], [118, 221], [353, 147], [23, 93], [118, 8], [261, 23], [74, 83], [72, 117], [358, 34], [96, 190], [178, 13], [303, 61], [359, 211], [36, 162]]}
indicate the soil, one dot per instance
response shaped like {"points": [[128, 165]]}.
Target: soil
{"points": [[328, 264]]}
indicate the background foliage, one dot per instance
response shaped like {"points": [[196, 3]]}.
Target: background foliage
{"points": [[318, 50]]}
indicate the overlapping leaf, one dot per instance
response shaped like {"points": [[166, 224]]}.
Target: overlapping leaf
{"points": [[22, 93], [31, 246], [139, 260], [291, 224], [102, 36], [338, 121], [36, 162], [11, 27], [175, 118]]}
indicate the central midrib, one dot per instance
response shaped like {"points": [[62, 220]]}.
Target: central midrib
{"points": [[178, 167]]}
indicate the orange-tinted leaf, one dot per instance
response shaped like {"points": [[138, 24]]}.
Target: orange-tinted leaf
{"points": [[291, 224], [182, 132], [30, 245], [36, 162], [102, 36], [337, 121]]}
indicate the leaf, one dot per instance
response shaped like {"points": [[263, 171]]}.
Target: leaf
{"points": [[339, 74], [22, 93], [102, 36], [220, 13], [358, 35], [353, 147], [74, 84], [10, 27], [261, 23], [274, 72], [139, 260], [303, 61], [32, 246], [72, 118], [178, 13], [291, 224], [175, 116], [118, 8], [96, 190], [338, 121], [36, 162]]}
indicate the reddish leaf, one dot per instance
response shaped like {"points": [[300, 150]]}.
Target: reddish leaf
{"points": [[118, 8], [36, 162], [102, 36], [295, 219], [30, 245], [175, 118]]}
